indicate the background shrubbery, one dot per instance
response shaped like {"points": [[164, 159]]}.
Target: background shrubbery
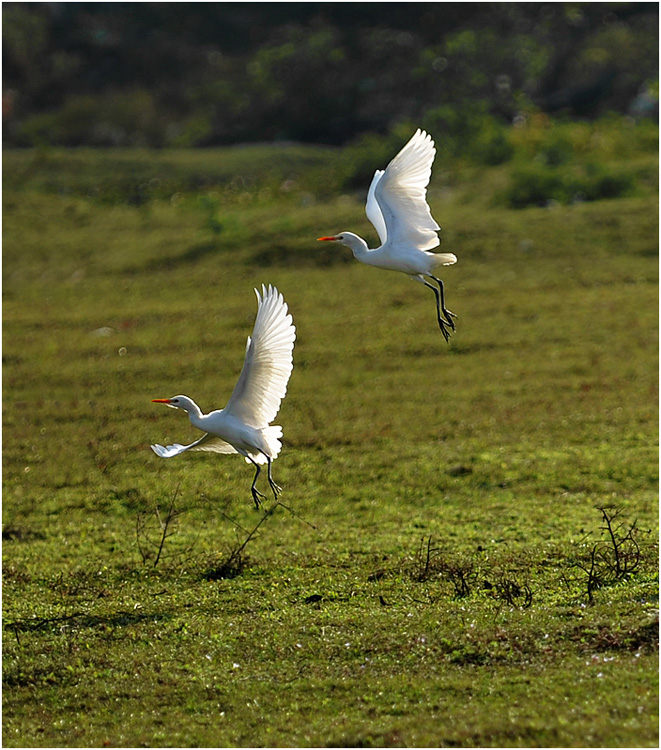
{"points": [[538, 162], [200, 74]]}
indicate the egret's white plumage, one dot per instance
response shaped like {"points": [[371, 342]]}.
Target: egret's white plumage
{"points": [[243, 425], [397, 207]]}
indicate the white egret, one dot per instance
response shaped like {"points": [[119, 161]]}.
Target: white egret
{"points": [[243, 426], [397, 207]]}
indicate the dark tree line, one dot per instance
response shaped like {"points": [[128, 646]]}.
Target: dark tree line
{"points": [[199, 74]]}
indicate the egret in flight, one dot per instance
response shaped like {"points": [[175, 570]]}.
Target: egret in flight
{"points": [[397, 207], [243, 426]]}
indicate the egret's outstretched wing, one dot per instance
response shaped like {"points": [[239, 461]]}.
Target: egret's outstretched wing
{"points": [[372, 208], [262, 384], [205, 443], [401, 193]]}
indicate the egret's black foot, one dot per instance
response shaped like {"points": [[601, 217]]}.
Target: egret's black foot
{"points": [[257, 497], [448, 317], [442, 324], [277, 489], [446, 324]]}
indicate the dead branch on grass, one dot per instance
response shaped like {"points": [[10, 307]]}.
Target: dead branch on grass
{"points": [[611, 559], [166, 521], [236, 561]]}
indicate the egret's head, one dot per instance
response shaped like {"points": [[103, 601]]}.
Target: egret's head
{"points": [[176, 402], [335, 238], [356, 243]]}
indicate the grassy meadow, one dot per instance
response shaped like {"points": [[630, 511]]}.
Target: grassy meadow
{"points": [[468, 552]]}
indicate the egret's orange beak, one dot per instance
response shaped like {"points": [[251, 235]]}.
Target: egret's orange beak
{"points": [[160, 401], [325, 239]]}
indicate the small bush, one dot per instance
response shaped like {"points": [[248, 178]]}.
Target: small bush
{"points": [[538, 184], [123, 118], [533, 185], [601, 183]]}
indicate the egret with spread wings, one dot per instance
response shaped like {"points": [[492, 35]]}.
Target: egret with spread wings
{"points": [[243, 426], [397, 207]]}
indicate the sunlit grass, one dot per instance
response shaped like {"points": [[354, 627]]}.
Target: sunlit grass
{"points": [[494, 452]]}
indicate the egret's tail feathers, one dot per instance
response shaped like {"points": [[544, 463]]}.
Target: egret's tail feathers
{"points": [[271, 435], [444, 259]]}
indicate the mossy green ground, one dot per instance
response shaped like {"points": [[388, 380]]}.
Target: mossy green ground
{"points": [[431, 585]]}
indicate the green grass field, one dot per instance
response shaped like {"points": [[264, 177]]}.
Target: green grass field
{"points": [[442, 574]]}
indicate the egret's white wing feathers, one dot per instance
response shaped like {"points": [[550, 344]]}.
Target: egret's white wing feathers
{"points": [[207, 442], [268, 363], [372, 208], [401, 194]]}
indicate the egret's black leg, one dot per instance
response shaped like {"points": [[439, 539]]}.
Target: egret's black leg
{"points": [[442, 323], [448, 313], [276, 488], [256, 494]]}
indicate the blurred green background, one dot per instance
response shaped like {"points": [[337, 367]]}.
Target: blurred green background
{"points": [[200, 74]]}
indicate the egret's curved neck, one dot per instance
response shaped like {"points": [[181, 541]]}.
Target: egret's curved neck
{"points": [[194, 411], [357, 245]]}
